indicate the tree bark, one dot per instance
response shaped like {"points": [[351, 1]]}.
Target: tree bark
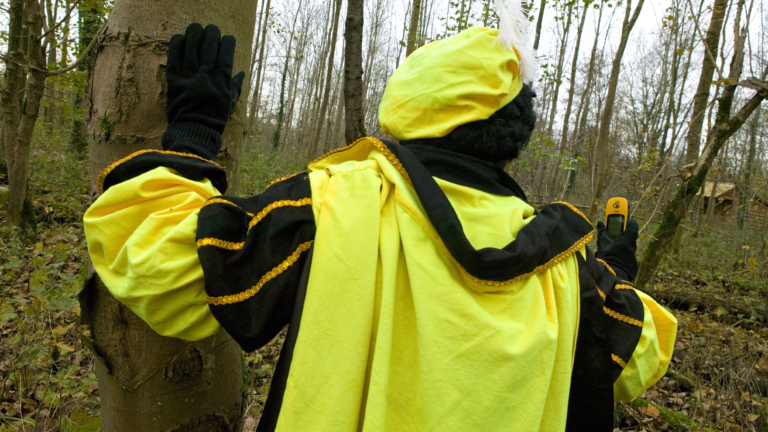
{"points": [[569, 105], [13, 83], [708, 303], [559, 68], [413, 27], [605, 120], [579, 133], [725, 126], [538, 25], [90, 18], [21, 100], [254, 111], [353, 72], [315, 143], [693, 139], [742, 215], [148, 382]]}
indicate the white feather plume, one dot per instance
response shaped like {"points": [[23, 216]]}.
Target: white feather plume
{"points": [[513, 33]]}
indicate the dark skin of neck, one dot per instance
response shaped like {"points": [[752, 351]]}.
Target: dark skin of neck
{"points": [[502, 163]]}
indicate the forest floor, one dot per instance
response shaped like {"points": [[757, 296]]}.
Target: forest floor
{"points": [[718, 378]]}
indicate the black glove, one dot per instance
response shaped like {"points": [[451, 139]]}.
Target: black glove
{"points": [[619, 253], [201, 90]]}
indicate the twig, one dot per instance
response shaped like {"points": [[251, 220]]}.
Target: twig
{"points": [[57, 25], [706, 47], [83, 57], [658, 203], [42, 402], [734, 273]]}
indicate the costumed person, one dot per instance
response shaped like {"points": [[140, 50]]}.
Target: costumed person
{"points": [[421, 290]]}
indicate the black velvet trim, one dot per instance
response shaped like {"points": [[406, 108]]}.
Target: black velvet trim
{"points": [[255, 321], [268, 420], [186, 165], [590, 402], [467, 171], [556, 229]]}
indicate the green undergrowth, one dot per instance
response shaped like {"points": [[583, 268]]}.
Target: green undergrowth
{"points": [[721, 260], [47, 376], [261, 165]]}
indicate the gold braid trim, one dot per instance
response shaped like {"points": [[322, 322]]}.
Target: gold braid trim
{"points": [[282, 179], [381, 147], [391, 158], [223, 201], [551, 263], [602, 294], [623, 286], [103, 175], [606, 266], [619, 360], [277, 204], [622, 318], [222, 244], [341, 149], [250, 292], [575, 210]]}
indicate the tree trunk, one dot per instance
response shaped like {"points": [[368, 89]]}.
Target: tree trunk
{"points": [[21, 100], [574, 66], [605, 120], [254, 111], [353, 72], [148, 382], [412, 29], [50, 45], [315, 143], [712, 200], [538, 25], [89, 19], [281, 105], [741, 214], [559, 69], [581, 126], [13, 83], [693, 139], [725, 126]]}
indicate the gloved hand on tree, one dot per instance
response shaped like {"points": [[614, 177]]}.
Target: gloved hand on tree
{"points": [[619, 253], [201, 90]]}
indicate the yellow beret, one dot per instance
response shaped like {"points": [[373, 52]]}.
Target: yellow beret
{"points": [[448, 83]]}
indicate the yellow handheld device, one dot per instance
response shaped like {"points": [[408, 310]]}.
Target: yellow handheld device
{"points": [[616, 215]]}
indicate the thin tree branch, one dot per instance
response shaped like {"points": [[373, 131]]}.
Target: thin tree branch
{"points": [[72, 66], [66, 17], [736, 121], [84, 56]]}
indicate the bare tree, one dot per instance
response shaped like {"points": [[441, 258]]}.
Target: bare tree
{"points": [[254, 110], [605, 120], [724, 127], [328, 84]]}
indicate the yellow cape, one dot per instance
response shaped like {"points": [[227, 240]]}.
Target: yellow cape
{"points": [[396, 336]]}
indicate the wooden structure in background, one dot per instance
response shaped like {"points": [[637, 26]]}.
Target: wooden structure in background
{"points": [[727, 199]]}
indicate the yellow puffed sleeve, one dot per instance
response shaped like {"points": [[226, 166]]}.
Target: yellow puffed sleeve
{"points": [[651, 357], [141, 239]]}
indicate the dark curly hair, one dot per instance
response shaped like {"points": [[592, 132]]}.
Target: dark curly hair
{"points": [[500, 137]]}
